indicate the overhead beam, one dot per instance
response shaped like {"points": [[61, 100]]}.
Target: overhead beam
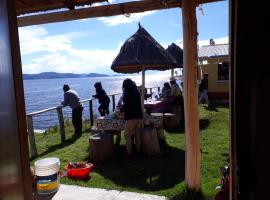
{"points": [[101, 11], [32, 6]]}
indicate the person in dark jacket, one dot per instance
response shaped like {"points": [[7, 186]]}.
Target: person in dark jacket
{"points": [[203, 89], [166, 91], [133, 114], [72, 99], [103, 99]]}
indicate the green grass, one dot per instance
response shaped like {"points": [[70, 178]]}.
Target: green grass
{"points": [[161, 175]]}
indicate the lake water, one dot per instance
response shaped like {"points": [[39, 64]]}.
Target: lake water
{"points": [[45, 93]]}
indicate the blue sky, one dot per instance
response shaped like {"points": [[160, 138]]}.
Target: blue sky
{"points": [[90, 45]]}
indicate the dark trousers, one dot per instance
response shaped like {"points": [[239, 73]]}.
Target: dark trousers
{"points": [[77, 120], [103, 109]]}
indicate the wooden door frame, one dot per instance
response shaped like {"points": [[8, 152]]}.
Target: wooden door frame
{"points": [[19, 96]]}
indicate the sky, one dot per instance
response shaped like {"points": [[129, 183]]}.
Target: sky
{"points": [[90, 45]]}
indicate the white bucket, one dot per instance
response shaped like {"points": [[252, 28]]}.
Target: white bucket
{"points": [[47, 176]]}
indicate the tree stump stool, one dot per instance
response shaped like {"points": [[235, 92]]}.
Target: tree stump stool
{"points": [[177, 110], [170, 121], [149, 141], [94, 131], [101, 147], [158, 121], [117, 133]]}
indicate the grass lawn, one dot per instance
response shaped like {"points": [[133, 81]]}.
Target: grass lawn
{"points": [[161, 175]]}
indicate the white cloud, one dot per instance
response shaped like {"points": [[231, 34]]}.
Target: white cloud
{"points": [[74, 61], [36, 39], [59, 55], [123, 19]]}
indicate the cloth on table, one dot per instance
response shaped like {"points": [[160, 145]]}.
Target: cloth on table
{"points": [[109, 123]]}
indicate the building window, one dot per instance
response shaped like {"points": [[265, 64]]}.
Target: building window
{"points": [[223, 71]]}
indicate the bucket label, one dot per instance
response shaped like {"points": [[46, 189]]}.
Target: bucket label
{"points": [[47, 184]]}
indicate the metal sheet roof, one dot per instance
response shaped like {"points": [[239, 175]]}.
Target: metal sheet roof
{"points": [[214, 50]]}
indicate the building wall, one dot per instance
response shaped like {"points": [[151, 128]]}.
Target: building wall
{"points": [[218, 89]]}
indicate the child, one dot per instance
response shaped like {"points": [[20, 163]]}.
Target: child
{"points": [[103, 99]]}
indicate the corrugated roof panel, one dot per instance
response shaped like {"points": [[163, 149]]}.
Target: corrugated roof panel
{"points": [[214, 50]]}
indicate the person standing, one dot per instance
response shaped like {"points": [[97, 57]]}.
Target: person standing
{"points": [[72, 99], [133, 114], [203, 89], [166, 91], [176, 93], [103, 99]]}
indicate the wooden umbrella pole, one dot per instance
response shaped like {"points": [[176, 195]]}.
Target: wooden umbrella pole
{"points": [[143, 87], [192, 172]]}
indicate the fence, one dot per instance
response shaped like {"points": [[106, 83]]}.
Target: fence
{"points": [[30, 126]]}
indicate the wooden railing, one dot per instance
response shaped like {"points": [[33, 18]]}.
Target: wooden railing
{"points": [[59, 109]]}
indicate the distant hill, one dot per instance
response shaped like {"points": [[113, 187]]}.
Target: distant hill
{"points": [[55, 75]]}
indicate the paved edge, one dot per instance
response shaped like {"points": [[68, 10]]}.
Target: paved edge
{"points": [[71, 192]]}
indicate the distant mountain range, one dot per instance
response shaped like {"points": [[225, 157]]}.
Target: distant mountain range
{"points": [[55, 75]]}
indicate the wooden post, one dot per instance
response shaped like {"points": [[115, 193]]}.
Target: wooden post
{"points": [[143, 86], [61, 123], [91, 113], [113, 102], [31, 136], [172, 72], [192, 172]]}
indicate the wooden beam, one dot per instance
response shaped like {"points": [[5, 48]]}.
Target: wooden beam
{"points": [[32, 6], [192, 133], [101, 11], [13, 153], [98, 11]]}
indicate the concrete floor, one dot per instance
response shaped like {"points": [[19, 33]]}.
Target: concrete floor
{"points": [[71, 192]]}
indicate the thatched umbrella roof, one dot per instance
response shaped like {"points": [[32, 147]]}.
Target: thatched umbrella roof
{"points": [[142, 50], [177, 53]]}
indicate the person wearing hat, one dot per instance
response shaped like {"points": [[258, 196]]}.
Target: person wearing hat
{"points": [[72, 99], [103, 99]]}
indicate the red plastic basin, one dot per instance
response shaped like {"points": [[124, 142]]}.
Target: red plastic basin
{"points": [[79, 173]]}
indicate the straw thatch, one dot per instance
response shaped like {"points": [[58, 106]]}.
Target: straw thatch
{"points": [[142, 50], [177, 53]]}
